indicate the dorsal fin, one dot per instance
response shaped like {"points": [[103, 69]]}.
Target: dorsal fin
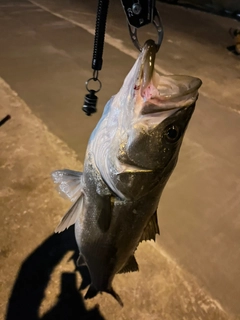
{"points": [[151, 229]]}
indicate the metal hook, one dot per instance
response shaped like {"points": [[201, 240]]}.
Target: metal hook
{"points": [[158, 25]]}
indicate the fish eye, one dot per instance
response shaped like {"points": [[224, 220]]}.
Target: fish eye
{"points": [[172, 133]]}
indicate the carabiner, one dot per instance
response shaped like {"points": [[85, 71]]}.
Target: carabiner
{"points": [[157, 24]]}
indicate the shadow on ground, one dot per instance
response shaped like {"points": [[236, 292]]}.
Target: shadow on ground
{"points": [[33, 278]]}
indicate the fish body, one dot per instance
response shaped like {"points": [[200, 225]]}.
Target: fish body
{"points": [[130, 156]]}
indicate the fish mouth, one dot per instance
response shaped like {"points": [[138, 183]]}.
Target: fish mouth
{"points": [[162, 93]]}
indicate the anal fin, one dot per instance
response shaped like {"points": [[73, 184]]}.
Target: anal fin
{"points": [[130, 266], [152, 228]]}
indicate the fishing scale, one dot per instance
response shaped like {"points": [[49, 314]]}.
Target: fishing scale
{"points": [[138, 13]]}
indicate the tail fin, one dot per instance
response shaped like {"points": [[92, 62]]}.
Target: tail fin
{"points": [[115, 296], [92, 292]]}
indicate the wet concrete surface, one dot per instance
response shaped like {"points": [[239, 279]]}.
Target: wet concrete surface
{"points": [[47, 59]]}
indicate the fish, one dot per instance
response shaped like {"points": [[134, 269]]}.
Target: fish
{"points": [[130, 156]]}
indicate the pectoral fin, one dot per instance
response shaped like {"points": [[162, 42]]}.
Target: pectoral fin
{"points": [[151, 229], [69, 183], [72, 215], [130, 266]]}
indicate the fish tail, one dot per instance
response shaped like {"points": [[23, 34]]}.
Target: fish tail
{"points": [[115, 296], [92, 292]]}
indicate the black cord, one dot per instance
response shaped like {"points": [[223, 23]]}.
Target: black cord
{"points": [[99, 34]]}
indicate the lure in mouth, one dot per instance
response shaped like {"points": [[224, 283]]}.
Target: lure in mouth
{"points": [[149, 51], [164, 92]]}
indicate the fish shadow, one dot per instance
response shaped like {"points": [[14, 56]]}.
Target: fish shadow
{"points": [[34, 275]]}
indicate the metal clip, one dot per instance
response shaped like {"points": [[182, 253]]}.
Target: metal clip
{"points": [[139, 13], [157, 24]]}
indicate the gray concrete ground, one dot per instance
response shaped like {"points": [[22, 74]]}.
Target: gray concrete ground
{"points": [[46, 60]]}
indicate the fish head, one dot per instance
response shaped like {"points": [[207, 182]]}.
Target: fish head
{"points": [[157, 111]]}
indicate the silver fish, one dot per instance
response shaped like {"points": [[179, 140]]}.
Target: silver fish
{"points": [[129, 159]]}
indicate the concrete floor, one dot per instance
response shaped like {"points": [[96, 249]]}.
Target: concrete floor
{"points": [[46, 59]]}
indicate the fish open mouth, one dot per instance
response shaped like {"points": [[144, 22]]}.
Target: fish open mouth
{"points": [[162, 93]]}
